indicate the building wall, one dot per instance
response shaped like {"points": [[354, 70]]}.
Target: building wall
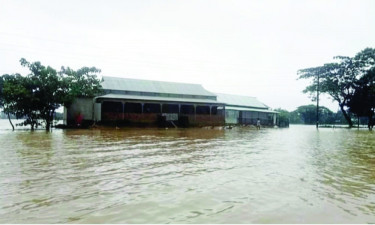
{"points": [[146, 113], [80, 106], [248, 117], [91, 111], [231, 116]]}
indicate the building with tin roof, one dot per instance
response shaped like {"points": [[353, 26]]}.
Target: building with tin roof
{"points": [[146, 102], [246, 110]]}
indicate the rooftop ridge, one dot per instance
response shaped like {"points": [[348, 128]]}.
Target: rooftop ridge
{"points": [[171, 82], [218, 93]]}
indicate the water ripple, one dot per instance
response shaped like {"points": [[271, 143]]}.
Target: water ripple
{"points": [[187, 176]]}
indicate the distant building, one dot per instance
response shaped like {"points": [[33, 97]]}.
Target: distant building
{"points": [[246, 110], [145, 102]]}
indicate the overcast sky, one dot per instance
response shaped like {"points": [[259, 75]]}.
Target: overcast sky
{"points": [[251, 48]]}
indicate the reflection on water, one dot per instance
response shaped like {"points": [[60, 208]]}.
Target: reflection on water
{"points": [[295, 175]]}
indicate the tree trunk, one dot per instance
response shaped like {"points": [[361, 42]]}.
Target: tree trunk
{"points": [[10, 121], [49, 120], [48, 125], [370, 122], [358, 122], [347, 117]]}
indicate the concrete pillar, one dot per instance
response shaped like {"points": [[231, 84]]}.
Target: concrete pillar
{"points": [[123, 110]]}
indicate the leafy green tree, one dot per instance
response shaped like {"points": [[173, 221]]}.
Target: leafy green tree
{"points": [[39, 94], [326, 116], [17, 99], [3, 101], [365, 60], [335, 79], [283, 117], [362, 103], [45, 85], [80, 83], [295, 117], [306, 114], [338, 79]]}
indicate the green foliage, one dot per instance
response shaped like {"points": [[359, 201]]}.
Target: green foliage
{"points": [[295, 117], [283, 117], [81, 83], [362, 103], [39, 94], [338, 79], [306, 114], [17, 98]]}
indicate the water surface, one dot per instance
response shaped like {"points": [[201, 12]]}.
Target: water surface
{"points": [[295, 175]]}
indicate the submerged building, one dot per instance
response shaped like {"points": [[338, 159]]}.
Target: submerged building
{"points": [[246, 110], [144, 102]]}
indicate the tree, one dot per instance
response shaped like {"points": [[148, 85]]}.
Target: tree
{"points": [[80, 83], [305, 114], [362, 103], [46, 87], [16, 98], [3, 100], [283, 117], [39, 94], [338, 79], [335, 79]]}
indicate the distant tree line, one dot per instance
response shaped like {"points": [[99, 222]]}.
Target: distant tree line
{"points": [[350, 81], [36, 96], [306, 114]]}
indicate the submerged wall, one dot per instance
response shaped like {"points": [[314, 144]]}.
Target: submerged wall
{"points": [[143, 113], [81, 107]]}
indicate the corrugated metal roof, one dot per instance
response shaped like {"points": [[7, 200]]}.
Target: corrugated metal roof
{"points": [[249, 109], [159, 99], [241, 101], [126, 84]]}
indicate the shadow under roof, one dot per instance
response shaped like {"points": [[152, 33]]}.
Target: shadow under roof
{"points": [[158, 99]]}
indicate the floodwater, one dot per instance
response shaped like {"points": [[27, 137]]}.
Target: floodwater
{"points": [[293, 175]]}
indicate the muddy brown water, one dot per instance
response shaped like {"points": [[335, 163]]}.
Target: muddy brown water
{"points": [[293, 175]]}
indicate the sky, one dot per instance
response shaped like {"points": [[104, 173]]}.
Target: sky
{"points": [[251, 48]]}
